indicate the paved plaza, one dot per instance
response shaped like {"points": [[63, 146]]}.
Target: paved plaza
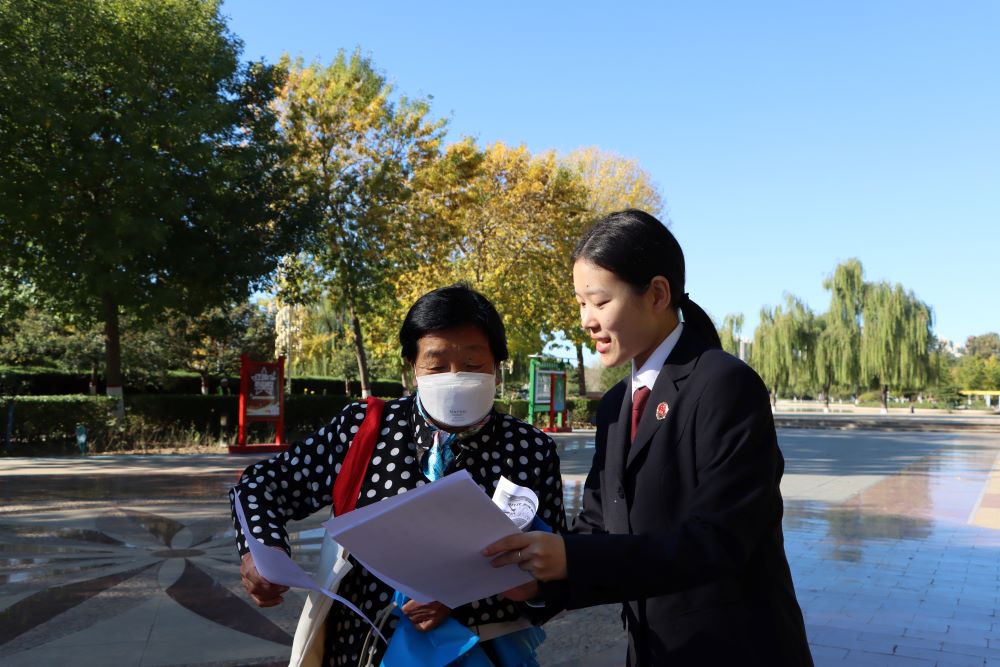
{"points": [[893, 539]]}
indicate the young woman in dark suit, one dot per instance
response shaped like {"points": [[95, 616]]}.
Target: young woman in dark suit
{"points": [[681, 518]]}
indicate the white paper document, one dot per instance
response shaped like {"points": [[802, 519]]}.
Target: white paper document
{"points": [[427, 542], [275, 566], [519, 503]]}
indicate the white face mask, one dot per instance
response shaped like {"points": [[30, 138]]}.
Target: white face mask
{"points": [[457, 399]]}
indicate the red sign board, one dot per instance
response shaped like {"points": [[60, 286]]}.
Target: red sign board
{"points": [[262, 399]]}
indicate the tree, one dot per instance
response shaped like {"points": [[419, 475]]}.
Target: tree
{"points": [[355, 151], [977, 373], [729, 333], [838, 338], [41, 338], [499, 220], [321, 343], [783, 346], [139, 161], [613, 183], [985, 346], [212, 342], [895, 339]]}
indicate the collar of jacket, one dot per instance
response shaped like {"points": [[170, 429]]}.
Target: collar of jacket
{"points": [[678, 366]]}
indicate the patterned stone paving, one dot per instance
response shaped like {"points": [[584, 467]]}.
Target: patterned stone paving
{"points": [[893, 540]]}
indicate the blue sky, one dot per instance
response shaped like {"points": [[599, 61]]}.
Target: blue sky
{"points": [[785, 136]]}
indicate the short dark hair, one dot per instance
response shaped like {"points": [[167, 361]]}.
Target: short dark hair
{"points": [[449, 307], [636, 247]]}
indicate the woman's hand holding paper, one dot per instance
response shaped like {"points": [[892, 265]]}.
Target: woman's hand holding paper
{"points": [[263, 592], [542, 555], [427, 616]]}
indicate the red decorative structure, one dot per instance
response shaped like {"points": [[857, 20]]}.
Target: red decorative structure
{"points": [[262, 399]]}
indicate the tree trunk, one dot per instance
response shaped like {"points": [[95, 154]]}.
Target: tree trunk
{"points": [[93, 378], [774, 399], [204, 383], [581, 370], [113, 354], [359, 352], [885, 399], [826, 397]]}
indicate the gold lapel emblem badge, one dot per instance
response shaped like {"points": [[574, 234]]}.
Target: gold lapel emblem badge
{"points": [[661, 411]]}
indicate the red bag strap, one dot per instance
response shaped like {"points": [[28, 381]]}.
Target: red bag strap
{"points": [[347, 486]]}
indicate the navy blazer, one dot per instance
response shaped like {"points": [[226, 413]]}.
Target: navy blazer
{"points": [[684, 525]]}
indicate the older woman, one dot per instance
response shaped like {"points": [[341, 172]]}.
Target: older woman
{"points": [[454, 339]]}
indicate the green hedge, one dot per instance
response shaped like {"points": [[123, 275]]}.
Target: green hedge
{"points": [[303, 413], [334, 387], [53, 419], [35, 381], [43, 382], [584, 409], [514, 408]]}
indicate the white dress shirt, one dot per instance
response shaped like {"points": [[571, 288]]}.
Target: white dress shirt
{"points": [[646, 376]]}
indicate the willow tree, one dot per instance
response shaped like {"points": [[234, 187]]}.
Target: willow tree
{"points": [[783, 346], [729, 333], [767, 358], [838, 339], [895, 339], [355, 148], [613, 183]]}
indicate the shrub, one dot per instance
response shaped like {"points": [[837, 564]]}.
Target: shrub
{"points": [[42, 381], [52, 420], [515, 408], [584, 410], [33, 381], [184, 410], [307, 413]]}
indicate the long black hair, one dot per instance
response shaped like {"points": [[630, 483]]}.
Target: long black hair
{"points": [[637, 247], [449, 307]]}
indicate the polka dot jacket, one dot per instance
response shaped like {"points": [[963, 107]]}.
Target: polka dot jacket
{"points": [[296, 483]]}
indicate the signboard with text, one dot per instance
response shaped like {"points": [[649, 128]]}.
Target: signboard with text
{"points": [[262, 399], [547, 393]]}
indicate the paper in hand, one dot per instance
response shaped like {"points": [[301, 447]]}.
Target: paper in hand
{"points": [[519, 503], [275, 566], [427, 543]]}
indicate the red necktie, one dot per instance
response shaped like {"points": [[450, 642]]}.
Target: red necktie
{"points": [[638, 403]]}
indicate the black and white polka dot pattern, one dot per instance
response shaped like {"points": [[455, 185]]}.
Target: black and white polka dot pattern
{"points": [[296, 483]]}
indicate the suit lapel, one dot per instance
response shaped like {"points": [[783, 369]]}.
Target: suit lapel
{"points": [[682, 360], [617, 443]]}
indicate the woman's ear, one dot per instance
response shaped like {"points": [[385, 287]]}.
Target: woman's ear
{"points": [[659, 287]]}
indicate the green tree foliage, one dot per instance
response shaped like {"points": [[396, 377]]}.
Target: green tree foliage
{"points": [[613, 375], [42, 338], [212, 342], [139, 160], [837, 360], [839, 340], [895, 339], [976, 372], [729, 333], [985, 346], [355, 149], [783, 347]]}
